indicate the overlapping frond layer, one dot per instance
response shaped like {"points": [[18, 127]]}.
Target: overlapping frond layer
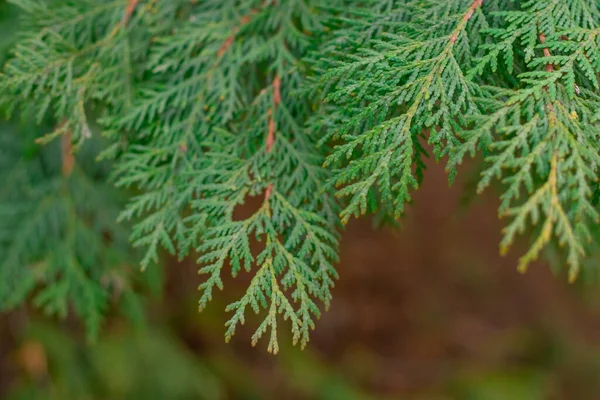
{"points": [[73, 54], [219, 123], [58, 238], [542, 137], [390, 89], [320, 112]]}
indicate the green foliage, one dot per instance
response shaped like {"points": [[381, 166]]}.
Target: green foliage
{"points": [[542, 136], [218, 122], [321, 113], [390, 88], [59, 238], [146, 364], [534, 117]]}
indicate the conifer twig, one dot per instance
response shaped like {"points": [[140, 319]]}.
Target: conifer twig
{"points": [[474, 6], [231, 38], [270, 141], [68, 157], [131, 5], [549, 66], [129, 10]]}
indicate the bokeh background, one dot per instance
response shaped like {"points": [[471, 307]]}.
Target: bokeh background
{"points": [[427, 311]]}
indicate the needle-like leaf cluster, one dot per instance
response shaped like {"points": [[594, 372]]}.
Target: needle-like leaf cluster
{"points": [[319, 112]]}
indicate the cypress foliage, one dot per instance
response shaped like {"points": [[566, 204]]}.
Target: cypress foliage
{"points": [[324, 112]]}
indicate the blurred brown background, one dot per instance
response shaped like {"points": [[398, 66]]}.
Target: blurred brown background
{"points": [[431, 311]]}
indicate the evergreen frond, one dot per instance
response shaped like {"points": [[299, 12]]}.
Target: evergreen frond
{"points": [[59, 239], [320, 111]]}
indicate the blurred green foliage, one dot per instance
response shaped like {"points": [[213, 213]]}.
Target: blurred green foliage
{"points": [[144, 364], [153, 364]]}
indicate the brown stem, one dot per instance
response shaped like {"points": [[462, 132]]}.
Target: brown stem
{"points": [[271, 133], [268, 192], [68, 158], [276, 90], [549, 66], [474, 6], [270, 141], [226, 45], [231, 38], [129, 10]]}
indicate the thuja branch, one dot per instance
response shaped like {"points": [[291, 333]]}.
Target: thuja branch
{"points": [[474, 6], [201, 140], [231, 38], [270, 140]]}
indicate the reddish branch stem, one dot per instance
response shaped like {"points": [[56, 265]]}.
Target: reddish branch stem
{"points": [[129, 10], [474, 6], [68, 158], [271, 133], [270, 141], [231, 38], [549, 66], [276, 91]]}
